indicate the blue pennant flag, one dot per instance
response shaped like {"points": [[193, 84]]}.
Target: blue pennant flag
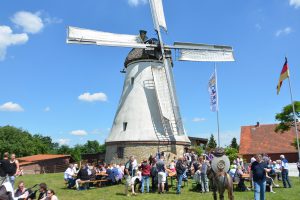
{"points": [[212, 89]]}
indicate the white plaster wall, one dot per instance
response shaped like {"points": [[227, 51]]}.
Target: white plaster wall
{"points": [[138, 107]]}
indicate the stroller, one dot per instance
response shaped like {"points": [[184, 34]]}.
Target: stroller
{"points": [[6, 190]]}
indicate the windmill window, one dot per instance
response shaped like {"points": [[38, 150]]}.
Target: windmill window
{"points": [[132, 80], [120, 152], [124, 126]]}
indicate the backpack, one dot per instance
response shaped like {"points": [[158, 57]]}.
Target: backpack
{"points": [[128, 166]]}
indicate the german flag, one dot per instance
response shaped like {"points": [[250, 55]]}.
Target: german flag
{"points": [[283, 75]]}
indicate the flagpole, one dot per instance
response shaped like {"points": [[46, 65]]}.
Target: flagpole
{"points": [[217, 105], [295, 121]]}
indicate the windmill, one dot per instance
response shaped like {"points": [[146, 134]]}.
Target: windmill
{"points": [[148, 119]]}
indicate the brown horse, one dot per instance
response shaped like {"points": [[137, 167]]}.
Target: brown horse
{"points": [[220, 182]]}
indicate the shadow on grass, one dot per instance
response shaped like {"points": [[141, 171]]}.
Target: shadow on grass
{"points": [[120, 194]]}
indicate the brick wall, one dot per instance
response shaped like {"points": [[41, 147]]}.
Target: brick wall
{"points": [[291, 157], [141, 151]]}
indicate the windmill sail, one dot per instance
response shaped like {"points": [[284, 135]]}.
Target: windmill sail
{"points": [[86, 36], [149, 89], [203, 52], [158, 14]]}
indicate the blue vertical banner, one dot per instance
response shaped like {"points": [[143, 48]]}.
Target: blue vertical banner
{"points": [[212, 89]]}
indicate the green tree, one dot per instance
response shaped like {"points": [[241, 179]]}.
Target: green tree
{"points": [[198, 150], [234, 144], [212, 144], [91, 147], [64, 149], [76, 152], [22, 143], [16, 140], [42, 144], [295, 142], [232, 153], [286, 117]]}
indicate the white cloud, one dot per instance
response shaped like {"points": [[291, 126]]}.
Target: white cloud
{"points": [[136, 3], [295, 3], [93, 97], [78, 132], [29, 22], [11, 107], [63, 141], [8, 38], [285, 31], [198, 119], [47, 109], [52, 20]]}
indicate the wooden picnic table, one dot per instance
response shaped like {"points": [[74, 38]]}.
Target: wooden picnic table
{"points": [[101, 174], [246, 176]]}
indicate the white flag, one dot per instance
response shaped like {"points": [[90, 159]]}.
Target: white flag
{"points": [[212, 89], [158, 14]]}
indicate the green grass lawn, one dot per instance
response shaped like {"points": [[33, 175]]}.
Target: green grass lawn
{"points": [[56, 182]]}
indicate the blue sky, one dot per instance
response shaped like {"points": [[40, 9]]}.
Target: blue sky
{"points": [[71, 92]]}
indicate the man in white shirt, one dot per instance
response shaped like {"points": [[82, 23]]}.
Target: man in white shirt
{"points": [[69, 176], [285, 172], [134, 167]]}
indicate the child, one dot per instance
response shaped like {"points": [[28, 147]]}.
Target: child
{"points": [[135, 180]]}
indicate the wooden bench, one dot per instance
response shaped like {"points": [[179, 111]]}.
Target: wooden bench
{"points": [[95, 182], [235, 184]]}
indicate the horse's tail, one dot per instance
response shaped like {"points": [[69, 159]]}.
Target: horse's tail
{"points": [[229, 186], [229, 179]]}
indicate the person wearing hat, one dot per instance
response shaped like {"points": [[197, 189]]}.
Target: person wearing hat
{"points": [[285, 172], [143, 36]]}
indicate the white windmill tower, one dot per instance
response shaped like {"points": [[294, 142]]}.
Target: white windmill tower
{"points": [[148, 118]]}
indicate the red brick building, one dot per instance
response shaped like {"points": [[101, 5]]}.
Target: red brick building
{"points": [[44, 163], [262, 138]]}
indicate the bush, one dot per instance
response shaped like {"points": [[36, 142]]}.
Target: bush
{"points": [[232, 153]]}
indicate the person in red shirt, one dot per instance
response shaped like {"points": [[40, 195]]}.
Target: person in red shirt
{"points": [[146, 169]]}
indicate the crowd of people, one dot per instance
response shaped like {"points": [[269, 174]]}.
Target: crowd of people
{"points": [[9, 170], [158, 170], [75, 174], [137, 175], [261, 171]]}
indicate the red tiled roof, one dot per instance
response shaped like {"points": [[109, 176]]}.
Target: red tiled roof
{"points": [[39, 157], [263, 139], [25, 163]]}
